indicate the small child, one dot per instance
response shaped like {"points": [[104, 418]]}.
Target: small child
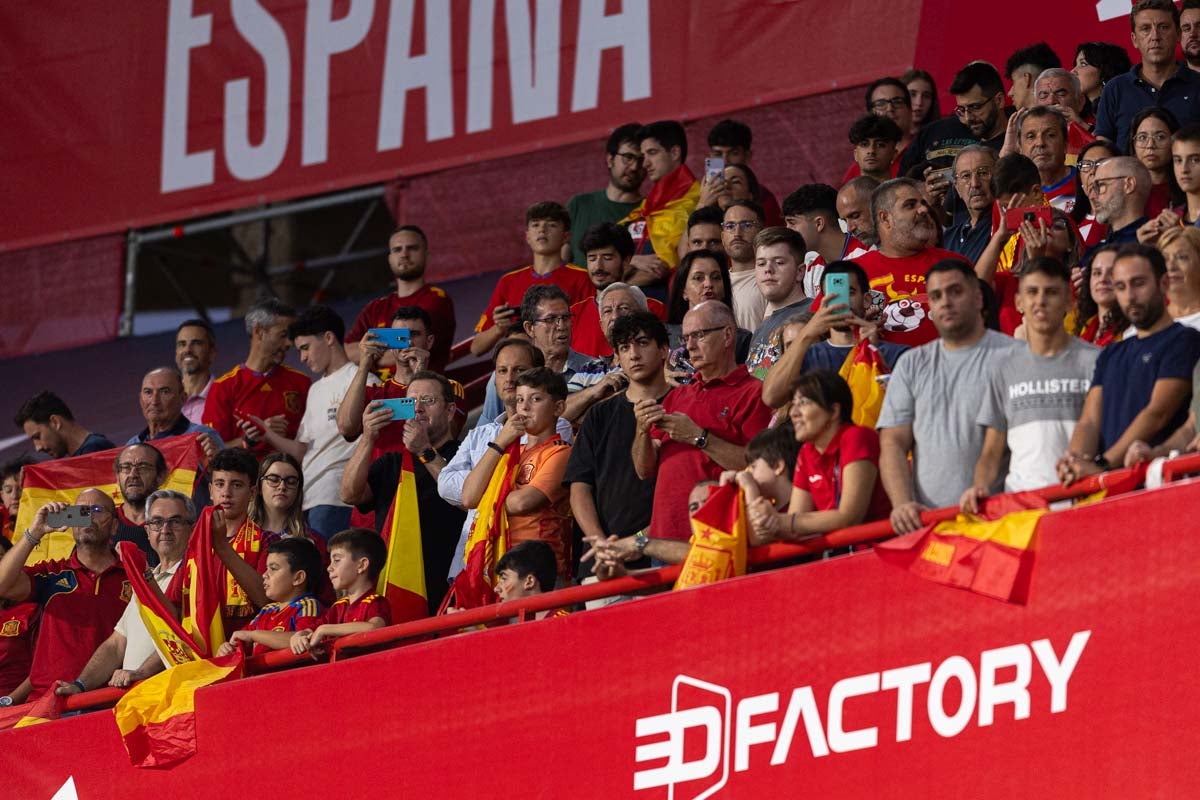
{"points": [[292, 577], [356, 557], [528, 569]]}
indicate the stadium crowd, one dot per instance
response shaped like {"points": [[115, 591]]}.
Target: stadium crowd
{"points": [[1020, 278]]}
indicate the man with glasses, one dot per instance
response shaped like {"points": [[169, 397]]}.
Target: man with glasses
{"points": [[888, 97], [742, 221], [1059, 89], [1042, 133], [140, 470], [979, 118], [1158, 81], [973, 181], [622, 194], [129, 654], [370, 483], [82, 596], [701, 429], [1119, 194]]}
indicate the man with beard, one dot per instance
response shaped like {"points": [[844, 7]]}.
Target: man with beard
{"points": [[607, 250], [973, 180], [52, 428], [195, 350], [933, 400], [898, 267], [612, 203], [979, 117], [408, 256], [261, 386], [854, 209], [1119, 194], [82, 596], [1042, 133], [1142, 386], [742, 221], [1189, 30], [140, 470]]}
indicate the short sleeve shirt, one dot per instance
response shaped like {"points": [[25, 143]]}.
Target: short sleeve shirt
{"points": [[300, 614], [242, 392], [821, 474], [364, 609], [378, 314], [511, 288], [542, 467], [905, 317]]}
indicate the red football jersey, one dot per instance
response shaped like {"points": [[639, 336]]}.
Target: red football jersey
{"points": [[364, 609], [17, 624], [378, 314], [586, 336], [902, 280], [301, 614], [511, 288], [242, 392]]}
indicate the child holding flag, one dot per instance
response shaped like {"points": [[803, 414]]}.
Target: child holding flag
{"points": [[356, 557], [291, 581]]}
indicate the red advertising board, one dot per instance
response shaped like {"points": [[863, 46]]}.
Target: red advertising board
{"points": [[841, 678]]}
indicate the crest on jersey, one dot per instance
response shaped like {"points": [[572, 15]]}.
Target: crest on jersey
{"points": [[291, 401]]}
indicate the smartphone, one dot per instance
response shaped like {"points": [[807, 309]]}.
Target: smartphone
{"points": [[402, 407], [678, 362], [70, 517], [393, 338], [714, 168], [837, 289], [947, 174], [1013, 217]]}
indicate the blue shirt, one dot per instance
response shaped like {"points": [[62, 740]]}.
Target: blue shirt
{"points": [[824, 355], [1125, 95], [967, 240], [1127, 371]]}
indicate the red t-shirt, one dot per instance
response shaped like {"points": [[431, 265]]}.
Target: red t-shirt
{"points": [[391, 438], [301, 614], [364, 609], [820, 474], [242, 392], [378, 314], [17, 624], [906, 310], [80, 608], [511, 287], [586, 336], [854, 170], [730, 408]]}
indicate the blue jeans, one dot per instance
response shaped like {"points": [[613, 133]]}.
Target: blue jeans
{"points": [[328, 520]]}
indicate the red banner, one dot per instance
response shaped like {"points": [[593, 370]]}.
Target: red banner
{"points": [[847, 677]]}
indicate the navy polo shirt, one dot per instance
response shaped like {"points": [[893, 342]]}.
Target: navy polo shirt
{"points": [[1125, 95]]}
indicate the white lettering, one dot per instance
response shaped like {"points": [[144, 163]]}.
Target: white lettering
{"points": [[903, 680], [748, 734], [630, 31], [840, 739], [264, 34], [676, 770], [960, 669], [533, 77], [180, 169], [1016, 691], [802, 704], [479, 65], [325, 37], [403, 72], [1058, 673]]}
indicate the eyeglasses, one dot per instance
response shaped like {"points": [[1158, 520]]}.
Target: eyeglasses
{"points": [[984, 174], [554, 320], [630, 158], [971, 108], [427, 400], [1059, 225], [744, 225], [124, 467], [158, 523], [1099, 184], [698, 336], [885, 104], [94, 510], [290, 481], [1089, 164], [1156, 139]]}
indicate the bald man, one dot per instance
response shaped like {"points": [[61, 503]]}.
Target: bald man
{"points": [[161, 400]]}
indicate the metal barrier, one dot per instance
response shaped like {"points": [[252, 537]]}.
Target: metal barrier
{"points": [[642, 582]]}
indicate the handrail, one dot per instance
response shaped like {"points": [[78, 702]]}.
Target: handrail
{"points": [[644, 581]]}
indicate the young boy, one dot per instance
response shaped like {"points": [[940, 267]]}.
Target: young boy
{"points": [[291, 581], [538, 505], [528, 569], [356, 557]]}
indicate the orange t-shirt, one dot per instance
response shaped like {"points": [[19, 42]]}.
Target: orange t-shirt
{"points": [[542, 467]]}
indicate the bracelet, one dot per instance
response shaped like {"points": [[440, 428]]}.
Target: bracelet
{"points": [[29, 538], [80, 684], [496, 447]]}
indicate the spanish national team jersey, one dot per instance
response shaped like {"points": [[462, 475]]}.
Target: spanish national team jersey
{"points": [[511, 288], [301, 614], [364, 609], [242, 392], [17, 625], [378, 314]]}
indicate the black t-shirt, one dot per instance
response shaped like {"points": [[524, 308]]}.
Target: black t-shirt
{"points": [[939, 142], [128, 532], [441, 522], [601, 457]]}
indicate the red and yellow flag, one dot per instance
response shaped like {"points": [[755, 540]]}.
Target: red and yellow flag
{"points": [[992, 555], [861, 370], [719, 535], [206, 589], [488, 542], [63, 479], [157, 717], [402, 580], [46, 708], [665, 212], [169, 637]]}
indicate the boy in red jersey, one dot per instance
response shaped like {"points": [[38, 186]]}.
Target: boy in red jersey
{"points": [[356, 558], [293, 570], [527, 570]]}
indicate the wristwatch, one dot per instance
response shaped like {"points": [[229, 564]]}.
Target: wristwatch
{"points": [[5, 701], [701, 441], [1101, 462], [640, 540], [427, 455]]}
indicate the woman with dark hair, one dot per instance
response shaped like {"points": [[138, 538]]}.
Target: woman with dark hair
{"points": [[277, 509], [1097, 63], [836, 483], [1150, 143], [923, 92], [702, 275], [1099, 319], [1090, 231], [740, 184]]}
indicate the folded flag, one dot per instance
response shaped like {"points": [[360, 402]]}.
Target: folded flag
{"points": [[157, 717], [170, 639], [488, 542], [990, 554], [46, 708], [402, 580], [861, 371], [718, 543]]}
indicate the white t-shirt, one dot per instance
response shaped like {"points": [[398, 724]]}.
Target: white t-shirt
{"points": [[749, 306], [138, 644], [328, 451]]}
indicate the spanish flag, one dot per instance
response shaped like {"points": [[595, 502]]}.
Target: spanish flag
{"points": [[157, 717], [63, 479], [402, 580], [992, 555], [488, 542], [170, 639], [665, 212], [46, 708], [719, 534], [861, 371], [206, 589]]}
